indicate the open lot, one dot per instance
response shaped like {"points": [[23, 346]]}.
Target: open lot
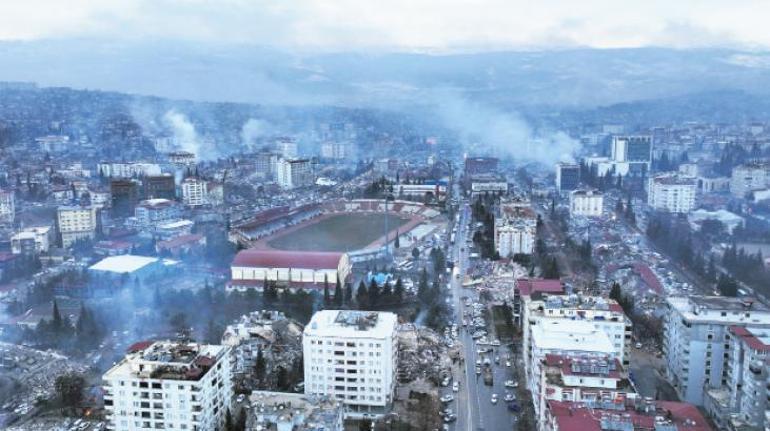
{"points": [[338, 232]]}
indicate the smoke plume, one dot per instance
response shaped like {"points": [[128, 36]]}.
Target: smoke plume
{"points": [[500, 133], [184, 132], [253, 130]]}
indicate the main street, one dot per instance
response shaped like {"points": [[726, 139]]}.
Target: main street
{"points": [[473, 405]]}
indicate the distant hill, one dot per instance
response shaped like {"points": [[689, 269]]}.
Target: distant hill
{"points": [[577, 78]]}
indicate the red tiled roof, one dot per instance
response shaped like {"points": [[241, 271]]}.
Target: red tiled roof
{"points": [[287, 259], [6, 256], [528, 286], [750, 339], [648, 277], [180, 240], [576, 417], [139, 346]]}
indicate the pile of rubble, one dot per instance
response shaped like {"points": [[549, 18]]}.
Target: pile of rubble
{"points": [[423, 354]]}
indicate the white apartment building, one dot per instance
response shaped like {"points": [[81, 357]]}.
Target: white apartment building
{"points": [[337, 150], [7, 206], [672, 193], [515, 230], [127, 169], [749, 177], [562, 337], [76, 223], [169, 385], [697, 340], [632, 149], [32, 240], [743, 402], [600, 314], [291, 173], [586, 203], [194, 191], [352, 357]]}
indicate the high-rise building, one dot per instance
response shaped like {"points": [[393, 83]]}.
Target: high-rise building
{"points": [[567, 177], [76, 223], [159, 187], [672, 193], [291, 173], [352, 356], [632, 149], [125, 196], [7, 206], [194, 191], [337, 150], [32, 240], [515, 229], [127, 169], [697, 340], [169, 385], [265, 164], [152, 212]]}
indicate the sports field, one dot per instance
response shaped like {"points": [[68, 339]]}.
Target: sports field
{"points": [[338, 232]]}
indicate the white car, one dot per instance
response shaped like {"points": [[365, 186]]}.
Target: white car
{"points": [[456, 387], [494, 399], [511, 384]]}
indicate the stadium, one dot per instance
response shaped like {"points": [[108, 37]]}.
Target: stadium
{"points": [[355, 227]]}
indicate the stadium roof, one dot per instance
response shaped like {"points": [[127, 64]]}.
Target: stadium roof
{"points": [[287, 259]]}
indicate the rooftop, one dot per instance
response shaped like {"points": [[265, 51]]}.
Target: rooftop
{"points": [[659, 415], [570, 336], [167, 360], [529, 286], [287, 259], [124, 264], [352, 324], [755, 338], [721, 309]]}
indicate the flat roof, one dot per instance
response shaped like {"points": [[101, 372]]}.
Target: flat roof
{"points": [[352, 324], [570, 335], [711, 308], [287, 259], [123, 264]]}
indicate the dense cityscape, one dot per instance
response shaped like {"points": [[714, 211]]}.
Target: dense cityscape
{"points": [[431, 249]]}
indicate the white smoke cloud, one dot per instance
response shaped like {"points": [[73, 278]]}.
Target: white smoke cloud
{"points": [[184, 132], [503, 133], [253, 130]]}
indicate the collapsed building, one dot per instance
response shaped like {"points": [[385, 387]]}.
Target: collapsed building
{"points": [[281, 411], [268, 331]]}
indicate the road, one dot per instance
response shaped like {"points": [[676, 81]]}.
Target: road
{"points": [[472, 403]]}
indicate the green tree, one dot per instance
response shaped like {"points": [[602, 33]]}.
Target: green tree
{"points": [[260, 365], [362, 295], [338, 294], [397, 243], [228, 420], [327, 295], [69, 389], [398, 291]]}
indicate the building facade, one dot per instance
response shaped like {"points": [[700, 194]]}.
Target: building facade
{"points": [[672, 193], [567, 177], [515, 230], [194, 191], [352, 356], [586, 203], [291, 173], [749, 177], [696, 340], [252, 267], [168, 385], [76, 223], [7, 206]]}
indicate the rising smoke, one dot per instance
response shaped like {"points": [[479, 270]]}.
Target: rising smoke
{"points": [[504, 134], [184, 132], [253, 130]]}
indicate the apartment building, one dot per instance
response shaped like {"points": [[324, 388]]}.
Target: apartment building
{"points": [[697, 338], [169, 385], [672, 193], [749, 177], [32, 240], [291, 173], [127, 169], [7, 206], [567, 177], [515, 230], [76, 223], [352, 356], [194, 191], [586, 203]]}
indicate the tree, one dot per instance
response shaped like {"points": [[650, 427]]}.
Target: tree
{"points": [[362, 295], [69, 389], [615, 291], [399, 290], [396, 243], [240, 422], [415, 253], [727, 286], [327, 295], [338, 294], [348, 293]]}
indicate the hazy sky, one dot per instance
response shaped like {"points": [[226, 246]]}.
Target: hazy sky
{"points": [[399, 24]]}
